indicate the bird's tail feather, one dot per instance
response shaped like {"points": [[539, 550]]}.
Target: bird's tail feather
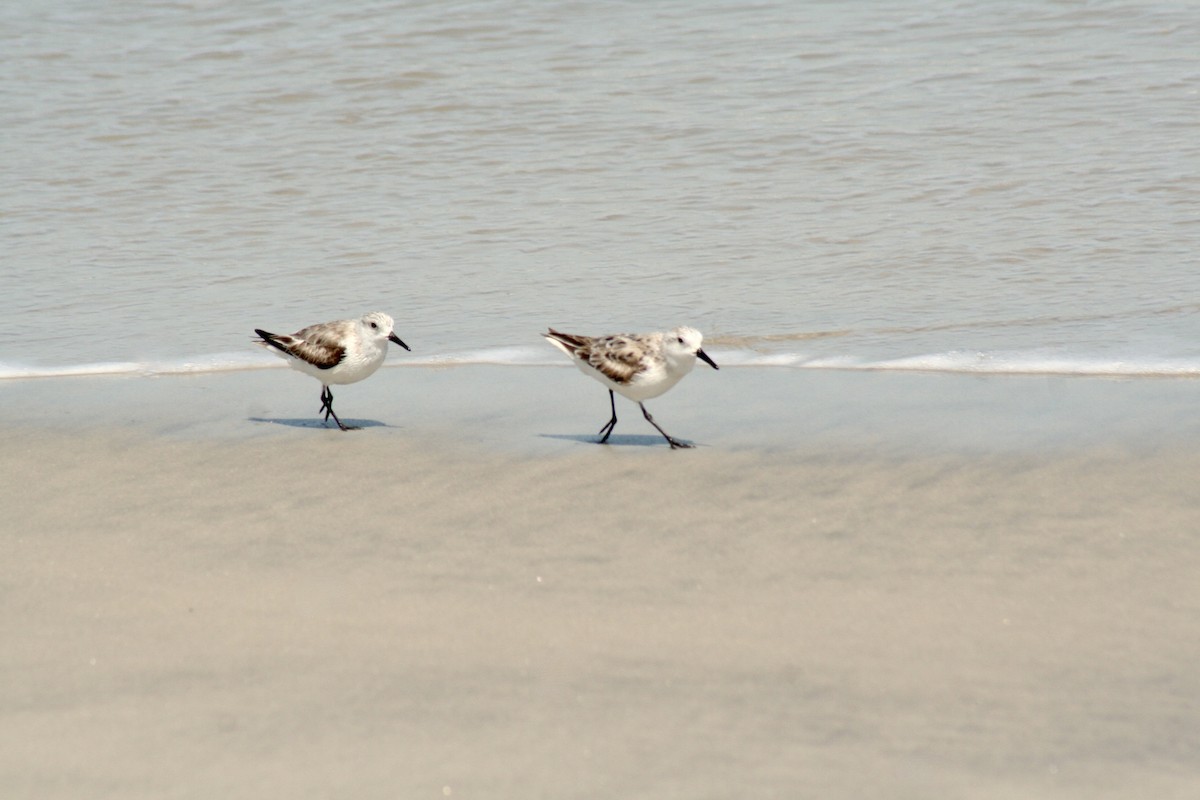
{"points": [[567, 342]]}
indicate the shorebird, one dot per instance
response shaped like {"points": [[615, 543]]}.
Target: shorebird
{"points": [[341, 352], [639, 366]]}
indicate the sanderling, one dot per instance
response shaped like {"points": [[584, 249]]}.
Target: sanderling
{"points": [[339, 352], [639, 366]]}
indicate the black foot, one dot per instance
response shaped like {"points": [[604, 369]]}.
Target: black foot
{"points": [[327, 407], [675, 443]]}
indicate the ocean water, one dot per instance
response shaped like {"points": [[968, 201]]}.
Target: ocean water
{"points": [[944, 186]]}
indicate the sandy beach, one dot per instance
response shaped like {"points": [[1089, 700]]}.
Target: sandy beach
{"points": [[855, 586], [928, 544]]}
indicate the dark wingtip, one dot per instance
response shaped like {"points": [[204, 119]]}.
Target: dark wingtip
{"points": [[266, 338]]}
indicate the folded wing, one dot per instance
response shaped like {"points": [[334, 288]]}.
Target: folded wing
{"points": [[314, 345]]}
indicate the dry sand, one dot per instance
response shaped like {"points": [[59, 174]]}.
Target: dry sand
{"points": [[879, 597]]}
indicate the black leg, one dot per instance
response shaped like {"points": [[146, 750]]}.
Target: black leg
{"points": [[327, 407], [673, 442], [326, 402], [612, 423]]}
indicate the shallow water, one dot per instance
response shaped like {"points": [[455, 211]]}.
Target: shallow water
{"points": [[965, 186]]}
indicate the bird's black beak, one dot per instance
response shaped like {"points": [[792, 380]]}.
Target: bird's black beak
{"points": [[703, 355], [396, 339]]}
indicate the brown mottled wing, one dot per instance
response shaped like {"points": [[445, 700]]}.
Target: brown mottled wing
{"points": [[619, 358], [317, 344]]}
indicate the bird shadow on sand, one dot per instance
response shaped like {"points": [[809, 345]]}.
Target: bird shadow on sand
{"points": [[317, 424], [616, 440]]}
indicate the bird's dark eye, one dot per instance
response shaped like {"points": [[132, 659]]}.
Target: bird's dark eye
{"points": [[679, 339], [374, 326]]}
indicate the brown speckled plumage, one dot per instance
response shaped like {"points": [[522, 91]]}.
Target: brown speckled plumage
{"points": [[319, 345], [638, 366], [619, 357]]}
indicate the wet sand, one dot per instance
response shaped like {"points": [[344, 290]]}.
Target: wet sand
{"points": [[859, 585]]}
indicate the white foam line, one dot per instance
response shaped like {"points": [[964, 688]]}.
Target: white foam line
{"points": [[1111, 369], [80, 370], [946, 363], [983, 365], [134, 368], [234, 362], [500, 356]]}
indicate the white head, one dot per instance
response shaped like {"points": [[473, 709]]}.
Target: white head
{"points": [[682, 346], [379, 326]]}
